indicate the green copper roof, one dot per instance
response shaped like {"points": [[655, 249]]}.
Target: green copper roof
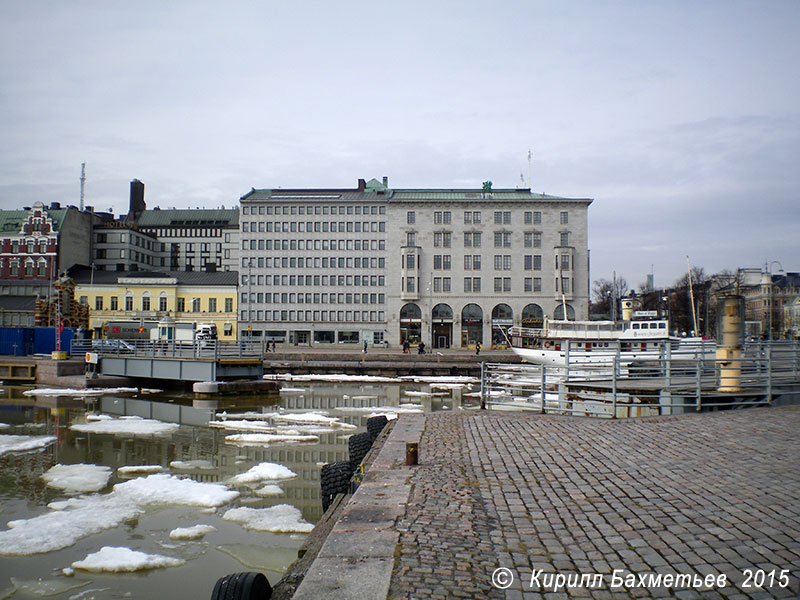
{"points": [[186, 217]]}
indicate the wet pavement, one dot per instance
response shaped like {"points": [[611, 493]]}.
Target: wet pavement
{"points": [[510, 505]]}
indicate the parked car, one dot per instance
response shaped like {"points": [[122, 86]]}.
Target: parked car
{"points": [[113, 346]]}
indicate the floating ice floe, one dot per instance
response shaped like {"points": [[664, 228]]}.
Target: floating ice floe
{"points": [[191, 465], [293, 390], [269, 490], [127, 426], [76, 518], [332, 377], [4, 425], [263, 558], [257, 439], [263, 472], [314, 418], [113, 559], [191, 533], [425, 394], [24, 443], [242, 425], [98, 417], [442, 379], [44, 587], [282, 518], [138, 469], [79, 392], [78, 478]]}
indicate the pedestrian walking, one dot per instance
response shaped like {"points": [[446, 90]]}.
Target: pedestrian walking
{"points": [[406, 346], [477, 348], [421, 349], [365, 346]]}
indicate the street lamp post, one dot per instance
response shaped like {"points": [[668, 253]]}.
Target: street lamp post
{"points": [[771, 297]]}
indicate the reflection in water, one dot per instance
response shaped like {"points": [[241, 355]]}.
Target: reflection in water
{"points": [[194, 450]]}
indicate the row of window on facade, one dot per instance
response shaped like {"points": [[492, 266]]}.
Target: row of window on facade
{"points": [[294, 244], [29, 246], [316, 280], [313, 226], [147, 304], [473, 239], [316, 262], [472, 285], [137, 240], [472, 262], [473, 217], [316, 316], [171, 232], [309, 298], [29, 266], [294, 209]]}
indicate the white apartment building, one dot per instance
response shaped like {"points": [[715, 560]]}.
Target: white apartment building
{"points": [[447, 267]]}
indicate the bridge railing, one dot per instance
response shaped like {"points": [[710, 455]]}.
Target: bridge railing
{"points": [[196, 349]]}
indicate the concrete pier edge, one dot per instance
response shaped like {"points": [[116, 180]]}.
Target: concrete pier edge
{"points": [[357, 558]]}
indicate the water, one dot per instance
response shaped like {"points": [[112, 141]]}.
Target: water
{"points": [[228, 549]]}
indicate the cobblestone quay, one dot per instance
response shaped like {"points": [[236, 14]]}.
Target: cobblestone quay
{"points": [[714, 497]]}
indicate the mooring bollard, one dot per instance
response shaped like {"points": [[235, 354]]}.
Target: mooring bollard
{"points": [[412, 453]]}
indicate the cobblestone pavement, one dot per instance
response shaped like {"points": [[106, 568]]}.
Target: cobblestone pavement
{"points": [[710, 496]]}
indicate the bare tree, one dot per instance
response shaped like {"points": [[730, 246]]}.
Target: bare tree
{"points": [[604, 292]]}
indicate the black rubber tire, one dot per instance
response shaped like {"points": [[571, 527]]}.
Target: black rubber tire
{"points": [[334, 479], [358, 445], [242, 586], [375, 425]]}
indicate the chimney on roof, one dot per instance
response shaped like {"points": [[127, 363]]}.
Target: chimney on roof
{"points": [[385, 181], [362, 185], [137, 205], [55, 205]]}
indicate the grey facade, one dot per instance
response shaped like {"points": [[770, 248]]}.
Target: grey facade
{"points": [[119, 246], [448, 267]]}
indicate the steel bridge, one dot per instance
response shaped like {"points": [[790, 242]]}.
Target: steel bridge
{"points": [[202, 360]]}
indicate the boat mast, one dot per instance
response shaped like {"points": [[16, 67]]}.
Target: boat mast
{"points": [[691, 295]]}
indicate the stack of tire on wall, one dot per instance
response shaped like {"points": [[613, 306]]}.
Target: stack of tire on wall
{"points": [[334, 478]]}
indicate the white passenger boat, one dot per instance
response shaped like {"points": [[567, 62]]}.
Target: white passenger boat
{"points": [[595, 342]]}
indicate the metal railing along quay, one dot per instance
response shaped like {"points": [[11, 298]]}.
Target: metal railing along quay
{"points": [[186, 349], [610, 385]]}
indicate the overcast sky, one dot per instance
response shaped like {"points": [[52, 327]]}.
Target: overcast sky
{"points": [[680, 119]]}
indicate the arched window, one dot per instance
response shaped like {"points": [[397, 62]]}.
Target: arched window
{"points": [[442, 312], [502, 319], [410, 312], [558, 313], [532, 316]]}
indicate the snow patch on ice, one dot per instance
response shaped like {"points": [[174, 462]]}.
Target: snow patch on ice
{"points": [[76, 518], [191, 533], [270, 489], [257, 439], [262, 472], [45, 587], [24, 443], [127, 426], [282, 518], [79, 392], [78, 478], [114, 559], [335, 377], [137, 469], [190, 465]]}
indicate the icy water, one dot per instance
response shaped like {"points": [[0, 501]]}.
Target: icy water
{"points": [[199, 454]]}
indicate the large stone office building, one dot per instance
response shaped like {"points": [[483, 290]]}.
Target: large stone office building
{"points": [[448, 267]]}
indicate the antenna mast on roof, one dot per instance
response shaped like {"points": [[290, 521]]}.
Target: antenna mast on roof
{"points": [[83, 182], [530, 183]]}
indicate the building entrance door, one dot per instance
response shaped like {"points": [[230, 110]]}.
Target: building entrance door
{"points": [[442, 335]]}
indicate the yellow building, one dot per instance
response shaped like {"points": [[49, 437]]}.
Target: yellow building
{"points": [[144, 304]]}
